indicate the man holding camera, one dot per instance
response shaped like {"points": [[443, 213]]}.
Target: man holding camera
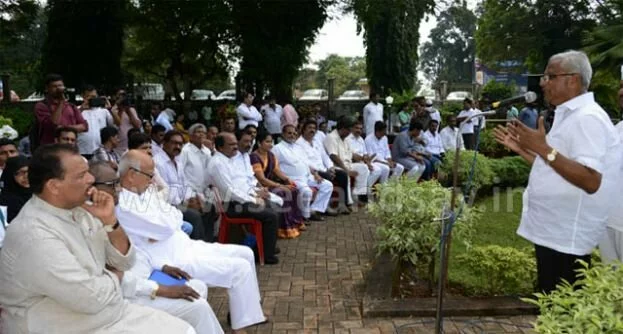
{"points": [[97, 116], [55, 111]]}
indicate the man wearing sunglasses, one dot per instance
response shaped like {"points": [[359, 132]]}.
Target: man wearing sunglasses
{"points": [[575, 168]]}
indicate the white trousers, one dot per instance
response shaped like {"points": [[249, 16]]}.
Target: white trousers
{"points": [[365, 178], [417, 171], [198, 314], [385, 169], [323, 195], [218, 265], [611, 246]]}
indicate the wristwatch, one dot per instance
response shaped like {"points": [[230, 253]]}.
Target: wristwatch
{"points": [[551, 156], [154, 292], [110, 228]]}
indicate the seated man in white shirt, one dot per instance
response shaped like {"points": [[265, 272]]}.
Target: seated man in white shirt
{"points": [[358, 145], [449, 135], [170, 168], [187, 302], [239, 191], [318, 161], [433, 146], [154, 227], [247, 113], [293, 163], [376, 144], [341, 154], [157, 136]]}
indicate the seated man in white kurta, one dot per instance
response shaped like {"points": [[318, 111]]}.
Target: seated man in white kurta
{"points": [[293, 163], [63, 261], [378, 171], [154, 226], [376, 143], [187, 302]]}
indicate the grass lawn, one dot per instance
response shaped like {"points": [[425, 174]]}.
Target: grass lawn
{"points": [[497, 226]]}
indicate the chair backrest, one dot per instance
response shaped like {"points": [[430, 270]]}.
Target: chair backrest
{"points": [[219, 203]]}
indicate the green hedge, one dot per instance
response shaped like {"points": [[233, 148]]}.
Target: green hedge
{"points": [[510, 171], [21, 119]]}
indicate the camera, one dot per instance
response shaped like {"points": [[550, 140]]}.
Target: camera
{"points": [[97, 102]]}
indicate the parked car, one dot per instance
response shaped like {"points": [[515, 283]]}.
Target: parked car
{"points": [[353, 95], [36, 97], [202, 95], [229, 94], [315, 95], [458, 96]]}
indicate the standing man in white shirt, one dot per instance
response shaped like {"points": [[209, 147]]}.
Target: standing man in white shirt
{"points": [[467, 130], [165, 118], [360, 153], [448, 135], [293, 163], [434, 146], [575, 168], [272, 117], [434, 113], [97, 117], [372, 112], [377, 144], [247, 113]]}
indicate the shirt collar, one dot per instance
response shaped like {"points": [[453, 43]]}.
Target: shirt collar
{"points": [[576, 102], [59, 212]]}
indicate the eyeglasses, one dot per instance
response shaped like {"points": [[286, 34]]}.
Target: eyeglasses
{"points": [[113, 183], [547, 77], [150, 176]]}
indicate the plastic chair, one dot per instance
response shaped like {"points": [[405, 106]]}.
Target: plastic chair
{"points": [[223, 233]]}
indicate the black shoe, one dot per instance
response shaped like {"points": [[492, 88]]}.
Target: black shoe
{"points": [[277, 250], [363, 198], [316, 217], [331, 213], [271, 260], [228, 319]]}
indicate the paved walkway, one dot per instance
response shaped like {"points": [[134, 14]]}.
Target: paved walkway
{"points": [[318, 286]]}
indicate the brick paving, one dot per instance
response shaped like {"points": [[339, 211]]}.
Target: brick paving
{"points": [[318, 286]]}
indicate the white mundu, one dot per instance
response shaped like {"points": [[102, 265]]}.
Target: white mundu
{"points": [[293, 163], [154, 226], [137, 288]]}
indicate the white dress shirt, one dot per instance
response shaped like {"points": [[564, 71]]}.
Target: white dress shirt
{"points": [[357, 144], [377, 146], [156, 149], [316, 157], [292, 160], [615, 220], [319, 137], [372, 113], [194, 163], [334, 144], [272, 118], [231, 182], [164, 120], [97, 118], [433, 143], [468, 128], [557, 214], [172, 172], [247, 115], [448, 139]]}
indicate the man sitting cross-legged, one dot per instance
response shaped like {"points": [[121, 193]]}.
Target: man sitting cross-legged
{"points": [[187, 302], [376, 143], [154, 226]]}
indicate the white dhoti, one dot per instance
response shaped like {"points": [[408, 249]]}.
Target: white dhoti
{"points": [[365, 178], [397, 171], [198, 314], [323, 195]]}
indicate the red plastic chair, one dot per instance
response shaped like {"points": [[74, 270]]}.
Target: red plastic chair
{"points": [[223, 233]]}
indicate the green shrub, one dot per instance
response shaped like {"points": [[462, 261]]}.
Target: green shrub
{"points": [[450, 108], [496, 91], [510, 171], [483, 175], [408, 210], [489, 147], [596, 307], [399, 99], [22, 120], [507, 270]]}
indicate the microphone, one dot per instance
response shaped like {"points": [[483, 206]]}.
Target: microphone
{"points": [[528, 97]]}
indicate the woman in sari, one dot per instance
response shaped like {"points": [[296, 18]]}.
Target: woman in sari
{"points": [[15, 187], [268, 174]]}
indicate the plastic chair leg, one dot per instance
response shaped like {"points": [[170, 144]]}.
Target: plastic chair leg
{"points": [[259, 238]]}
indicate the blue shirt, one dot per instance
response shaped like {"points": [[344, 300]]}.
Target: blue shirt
{"points": [[529, 116]]}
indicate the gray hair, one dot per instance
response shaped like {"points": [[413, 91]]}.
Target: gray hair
{"points": [[574, 61], [196, 127], [126, 163]]}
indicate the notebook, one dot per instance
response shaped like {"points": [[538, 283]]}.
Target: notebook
{"points": [[166, 279]]}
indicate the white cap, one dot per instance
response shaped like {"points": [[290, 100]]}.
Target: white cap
{"points": [[429, 102]]}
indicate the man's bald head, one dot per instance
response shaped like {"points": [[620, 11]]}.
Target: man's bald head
{"points": [[106, 178], [136, 169]]}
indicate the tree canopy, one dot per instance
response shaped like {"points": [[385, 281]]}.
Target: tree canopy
{"points": [[391, 35], [449, 55], [85, 41]]}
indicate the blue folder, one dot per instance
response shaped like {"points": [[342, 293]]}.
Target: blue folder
{"points": [[166, 279]]}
